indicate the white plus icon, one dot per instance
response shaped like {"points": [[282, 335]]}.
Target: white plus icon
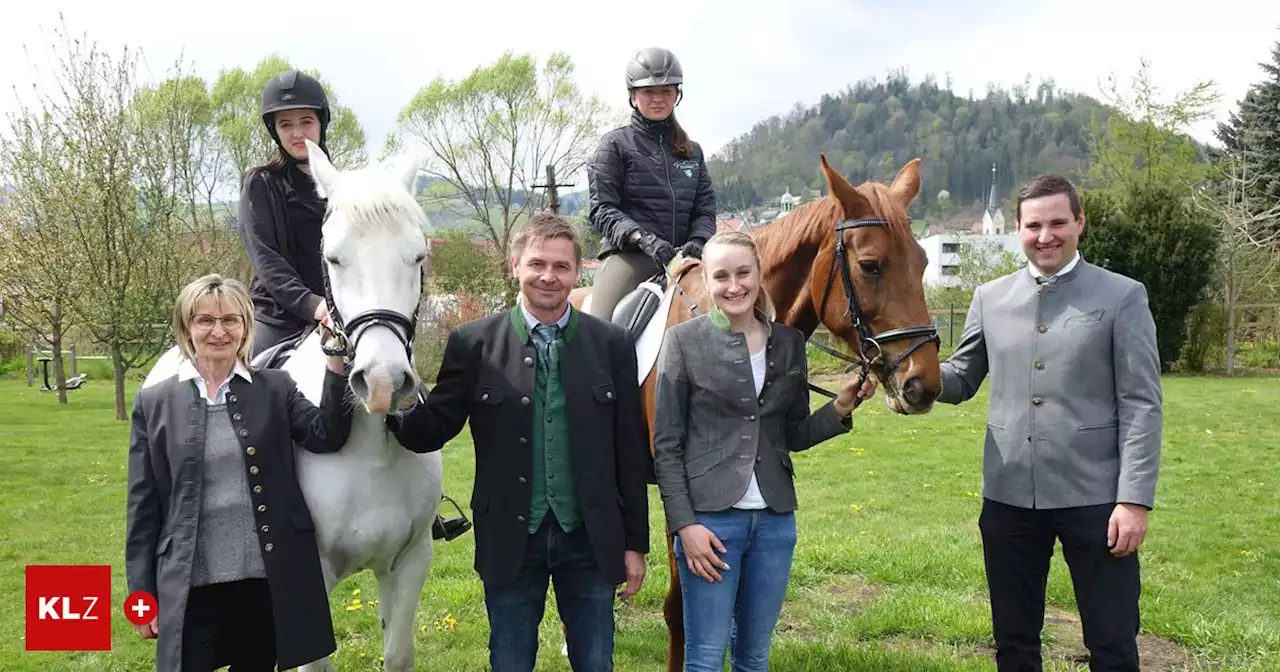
{"points": [[140, 608]]}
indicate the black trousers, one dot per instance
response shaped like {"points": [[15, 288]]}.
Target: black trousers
{"points": [[229, 624], [1017, 544]]}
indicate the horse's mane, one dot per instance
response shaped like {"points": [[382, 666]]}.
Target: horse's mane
{"points": [[370, 199], [810, 224]]}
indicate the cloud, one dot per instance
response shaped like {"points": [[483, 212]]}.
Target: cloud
{"points": [[744, 61]]}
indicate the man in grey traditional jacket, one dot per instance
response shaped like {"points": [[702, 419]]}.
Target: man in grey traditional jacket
{"points": [[1073, 432]]}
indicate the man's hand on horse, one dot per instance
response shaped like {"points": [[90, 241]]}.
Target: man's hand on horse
{"points": [[853, 392], [700, 546], [322, 311], [635, 574]]}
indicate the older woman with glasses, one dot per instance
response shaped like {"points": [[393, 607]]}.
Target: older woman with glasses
{"points": [[217, 527]]}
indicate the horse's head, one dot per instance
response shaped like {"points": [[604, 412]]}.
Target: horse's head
{"points": [[869, 289], [373, 252]]}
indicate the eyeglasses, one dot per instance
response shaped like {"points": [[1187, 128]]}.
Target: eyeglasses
{"points": [[206, 322]]}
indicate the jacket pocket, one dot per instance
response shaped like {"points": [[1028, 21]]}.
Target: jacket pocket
{"points": [[489, 395], [702, 464], [1085, 318], [603, 393]]}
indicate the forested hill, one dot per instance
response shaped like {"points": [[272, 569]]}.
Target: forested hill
{"points": [[870, 130]]}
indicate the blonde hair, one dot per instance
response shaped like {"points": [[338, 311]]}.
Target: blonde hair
{"points": [[764, 303], [224, 289]]}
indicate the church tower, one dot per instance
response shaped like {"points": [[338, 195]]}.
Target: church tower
{"points": [[992, 217]]}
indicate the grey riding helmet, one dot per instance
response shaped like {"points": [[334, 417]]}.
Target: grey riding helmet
{"points": [[655, 66], [294, 90]]}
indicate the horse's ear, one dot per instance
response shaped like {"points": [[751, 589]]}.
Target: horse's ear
{"points": [[322, 171], [907, 183], [855, 204], [406, 169]]}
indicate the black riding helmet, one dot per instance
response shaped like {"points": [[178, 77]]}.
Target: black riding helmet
{"points": [[293, 90], [655, 66]]}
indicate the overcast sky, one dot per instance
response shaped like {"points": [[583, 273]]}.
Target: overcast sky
{"points": [[743, 59]]}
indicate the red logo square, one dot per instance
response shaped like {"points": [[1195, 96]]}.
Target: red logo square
{"points": [[68, 608]]}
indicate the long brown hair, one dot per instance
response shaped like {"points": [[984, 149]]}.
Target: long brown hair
{"points": [[681, 144]]}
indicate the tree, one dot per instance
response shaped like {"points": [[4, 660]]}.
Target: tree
{"points": [[1148, 233], [1249, 251], [185, 169], [492, 134], [39, 274], [237, 103], [1252, 133], [123, 216], [460, 267], [1144, 141]]}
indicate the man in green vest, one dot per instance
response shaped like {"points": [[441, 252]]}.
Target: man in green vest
{"points": [[562, 451]]}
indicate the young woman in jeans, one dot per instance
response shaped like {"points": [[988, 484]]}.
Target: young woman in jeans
{"points": [[732, 404]]}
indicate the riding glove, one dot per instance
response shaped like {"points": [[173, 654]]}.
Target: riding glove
{"points": [[658, 249], [693, 248]]}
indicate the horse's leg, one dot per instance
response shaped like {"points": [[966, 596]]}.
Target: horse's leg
{"points": [[672, 612], [331, 579], [398, 593]]}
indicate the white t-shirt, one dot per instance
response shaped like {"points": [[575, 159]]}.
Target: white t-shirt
{"points": [[753, 499]]}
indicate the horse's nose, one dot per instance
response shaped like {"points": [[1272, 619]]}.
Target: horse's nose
{"points": [[916, 392]]}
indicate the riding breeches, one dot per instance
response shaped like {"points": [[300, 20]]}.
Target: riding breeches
{"points": [[620, 273]]}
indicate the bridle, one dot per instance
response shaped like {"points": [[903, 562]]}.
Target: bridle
{"points": [[347, 333], [868, 340]]}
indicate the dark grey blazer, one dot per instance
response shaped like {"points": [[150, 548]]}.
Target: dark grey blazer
{"points": [[1076, 409], [712, 431], [166, 449]]}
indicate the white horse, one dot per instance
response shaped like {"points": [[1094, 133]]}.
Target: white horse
{"points": [[373, 502]]}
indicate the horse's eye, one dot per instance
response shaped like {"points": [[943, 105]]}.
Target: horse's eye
{"points": [[869, 267], [419, 259], [333, 261]]}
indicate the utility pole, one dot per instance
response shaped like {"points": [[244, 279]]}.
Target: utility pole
{"points": [[553, 193]]}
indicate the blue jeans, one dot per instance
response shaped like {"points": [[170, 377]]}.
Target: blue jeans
{"points": [[584, 599], [740, 611]]}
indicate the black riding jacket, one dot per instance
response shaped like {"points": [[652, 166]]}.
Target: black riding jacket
{"points": [[636, 182], [280, 218]]}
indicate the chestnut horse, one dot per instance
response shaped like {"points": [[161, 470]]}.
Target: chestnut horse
{"points": [[861, 234]]}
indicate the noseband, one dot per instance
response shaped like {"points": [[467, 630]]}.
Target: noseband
{"points": [[346, 334], [870, 345]]}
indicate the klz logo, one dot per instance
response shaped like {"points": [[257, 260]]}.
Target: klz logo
{"points": [[68, 608]]}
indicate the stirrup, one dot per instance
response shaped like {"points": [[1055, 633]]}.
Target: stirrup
{"points": [[450, 528]]}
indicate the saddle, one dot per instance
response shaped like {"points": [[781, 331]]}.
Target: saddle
{"points": [[638, 307], [275, 357]]}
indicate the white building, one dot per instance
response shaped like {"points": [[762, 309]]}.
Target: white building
{"points": [[944, 253]]}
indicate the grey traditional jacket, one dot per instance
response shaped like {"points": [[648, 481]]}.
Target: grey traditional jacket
{"points": [[711, 430], [1075, 414]]}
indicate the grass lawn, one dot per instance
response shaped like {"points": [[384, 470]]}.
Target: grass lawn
{"points": [[888, 574]]}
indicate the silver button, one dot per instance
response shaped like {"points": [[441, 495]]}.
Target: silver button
{"points": [[268, 547], [266, 529], [524, 439], [262, 508], [244, 432], [520, 518], [253, 470], [608, 395], [523, 480], [484, 397], [528, 361], [231, 398], [524, 401], [236, 416], [752, 417]]}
